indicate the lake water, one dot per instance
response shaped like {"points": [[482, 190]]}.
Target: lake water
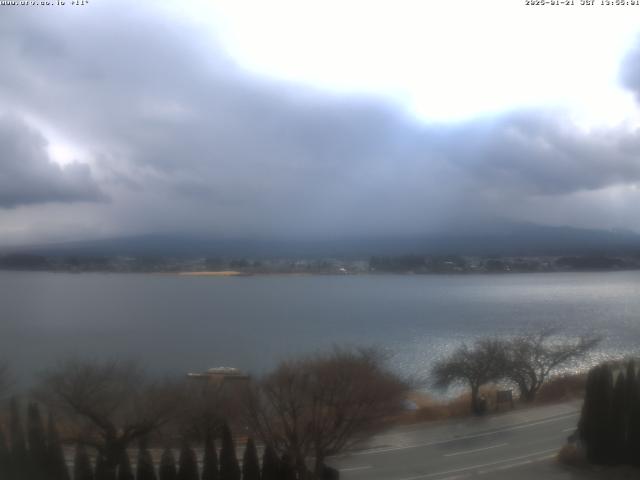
{"points": [[178, 324]]}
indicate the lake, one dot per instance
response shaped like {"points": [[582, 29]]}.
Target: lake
{"points": [[177, 324]]}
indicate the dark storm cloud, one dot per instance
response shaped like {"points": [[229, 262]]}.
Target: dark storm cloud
{"points": [[27, 175], [180, 136], [538, 152]]}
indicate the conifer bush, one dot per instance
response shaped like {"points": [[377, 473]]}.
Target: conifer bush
{"points": [[229, 468], [250, 462], [287, 468], [210, 470], [609, 427], [270, 464], [125, 472], [5, 456], [188, 463], [82, 469], [145, 469], [19, 456], [101, 471], [56, 462], [168, 469], [37, 442]]}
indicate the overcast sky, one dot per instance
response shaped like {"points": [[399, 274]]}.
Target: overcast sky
{"points": [[313, 118]]}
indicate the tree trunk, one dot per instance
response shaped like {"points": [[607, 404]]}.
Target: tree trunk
{"points": [[528, 395], [475, 401]]}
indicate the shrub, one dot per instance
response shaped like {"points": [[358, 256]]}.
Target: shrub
{"points": [[570, 455]]}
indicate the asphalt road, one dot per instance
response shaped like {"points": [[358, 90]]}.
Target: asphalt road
{"points": [[521, 444]]}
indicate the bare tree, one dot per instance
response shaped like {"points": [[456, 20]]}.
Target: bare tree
{"points": [[202, 413], [110, 404], [472, 366], [532, 358], [207, 404], [318, 406]]}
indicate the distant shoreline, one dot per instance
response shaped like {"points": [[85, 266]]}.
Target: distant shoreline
{"points": [[234, 273], [222, 273], [397, 265]]}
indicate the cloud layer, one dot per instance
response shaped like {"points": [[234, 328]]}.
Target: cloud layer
{"points": [[28, 176], [179, 138]]}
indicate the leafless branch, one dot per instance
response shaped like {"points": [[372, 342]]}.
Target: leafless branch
{"points": [[320, 405], [110, 403]]}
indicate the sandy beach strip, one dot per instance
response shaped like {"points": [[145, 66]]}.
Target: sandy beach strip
{"points": [[223, 273]]}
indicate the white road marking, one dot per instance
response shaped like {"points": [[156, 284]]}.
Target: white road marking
{"points": [[474, 467], [475, 450], [466, 437], [353, 469], [514, 465], [455, 477], [572, 429], [504, 467]]}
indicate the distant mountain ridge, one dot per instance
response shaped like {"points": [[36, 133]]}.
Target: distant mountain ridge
{"points": [[514, 239]]}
